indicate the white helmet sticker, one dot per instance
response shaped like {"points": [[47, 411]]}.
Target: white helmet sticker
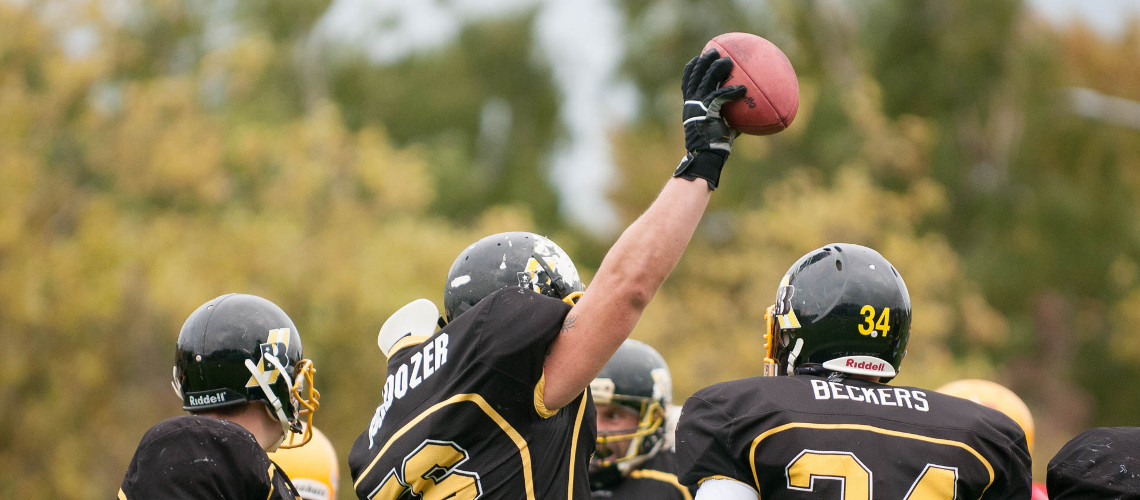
{"points": [[861, 365]]}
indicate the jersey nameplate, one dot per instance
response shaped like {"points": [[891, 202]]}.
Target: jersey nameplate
{"points": [[882, 396], [408, 376]]}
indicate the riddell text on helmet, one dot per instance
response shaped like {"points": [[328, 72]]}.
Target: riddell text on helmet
{"points": [[882, 396], [208, 399], [866, 365]]}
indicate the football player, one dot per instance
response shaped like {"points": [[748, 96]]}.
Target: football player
{"points": [[634, 458], [313, 468], [241, 374], [824, 423], [495, 402], [1101, 463], [1000, 398]]}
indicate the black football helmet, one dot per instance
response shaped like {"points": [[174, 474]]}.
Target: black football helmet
{"points": [[636, 377], [241, 348], [509, 259], [841, 308]]}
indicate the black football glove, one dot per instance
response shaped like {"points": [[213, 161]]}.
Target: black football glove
{"points": [[708, 138]]}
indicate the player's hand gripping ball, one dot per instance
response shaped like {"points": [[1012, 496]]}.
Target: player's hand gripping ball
{"points": [[773, 92]]}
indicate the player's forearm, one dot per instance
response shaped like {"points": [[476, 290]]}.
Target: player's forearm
{"points": [[629, 277], [649, 249]]}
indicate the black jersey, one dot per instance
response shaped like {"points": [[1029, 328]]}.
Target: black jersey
{"points": [[1102, 463], [196, 457], [654, 479], [798, 437], [462, 412]]}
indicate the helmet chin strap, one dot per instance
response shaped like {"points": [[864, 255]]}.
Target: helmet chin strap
{"points": [[795, 354], [560, 287], [631, 460], [280, 437], [278, 410]]}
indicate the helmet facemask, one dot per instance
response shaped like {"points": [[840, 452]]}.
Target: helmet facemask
{"points": [[644, 440], [771, 366], [779, 317], [296, 414], [305, 400], [633, 393]]}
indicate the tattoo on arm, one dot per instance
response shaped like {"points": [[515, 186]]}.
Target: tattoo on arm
{"points": [[568, 323]]}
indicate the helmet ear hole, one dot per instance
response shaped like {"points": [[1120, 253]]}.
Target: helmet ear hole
{"points": [[838, 265]]}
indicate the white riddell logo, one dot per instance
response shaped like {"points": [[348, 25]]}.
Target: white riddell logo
{"points": [[208, 399]]}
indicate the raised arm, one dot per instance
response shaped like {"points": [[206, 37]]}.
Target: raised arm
{"points": [[648, 250]]}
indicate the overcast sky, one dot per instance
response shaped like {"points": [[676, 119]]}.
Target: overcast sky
{"points": [[1107, 16]]}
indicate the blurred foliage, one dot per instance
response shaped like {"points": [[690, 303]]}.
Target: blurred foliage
{"points": [[499, 108], [155, 154]]}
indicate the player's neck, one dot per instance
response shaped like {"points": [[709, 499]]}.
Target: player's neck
{"points": [[255, 419]]}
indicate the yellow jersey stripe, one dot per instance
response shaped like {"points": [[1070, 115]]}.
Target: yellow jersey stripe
{"points": [[573, 444], [664, 477]]}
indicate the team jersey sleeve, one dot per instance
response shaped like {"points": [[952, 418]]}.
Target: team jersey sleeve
{"points": [[703, 434], [1014, 469]]}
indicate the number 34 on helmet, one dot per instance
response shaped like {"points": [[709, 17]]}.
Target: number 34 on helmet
{"points": [[840, 308]]}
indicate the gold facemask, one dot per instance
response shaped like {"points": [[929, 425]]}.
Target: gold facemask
{"points": [[653, 418], [771, 366], [305, 405]]}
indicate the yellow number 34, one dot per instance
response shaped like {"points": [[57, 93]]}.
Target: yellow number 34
{"points": [[870, 325]]}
